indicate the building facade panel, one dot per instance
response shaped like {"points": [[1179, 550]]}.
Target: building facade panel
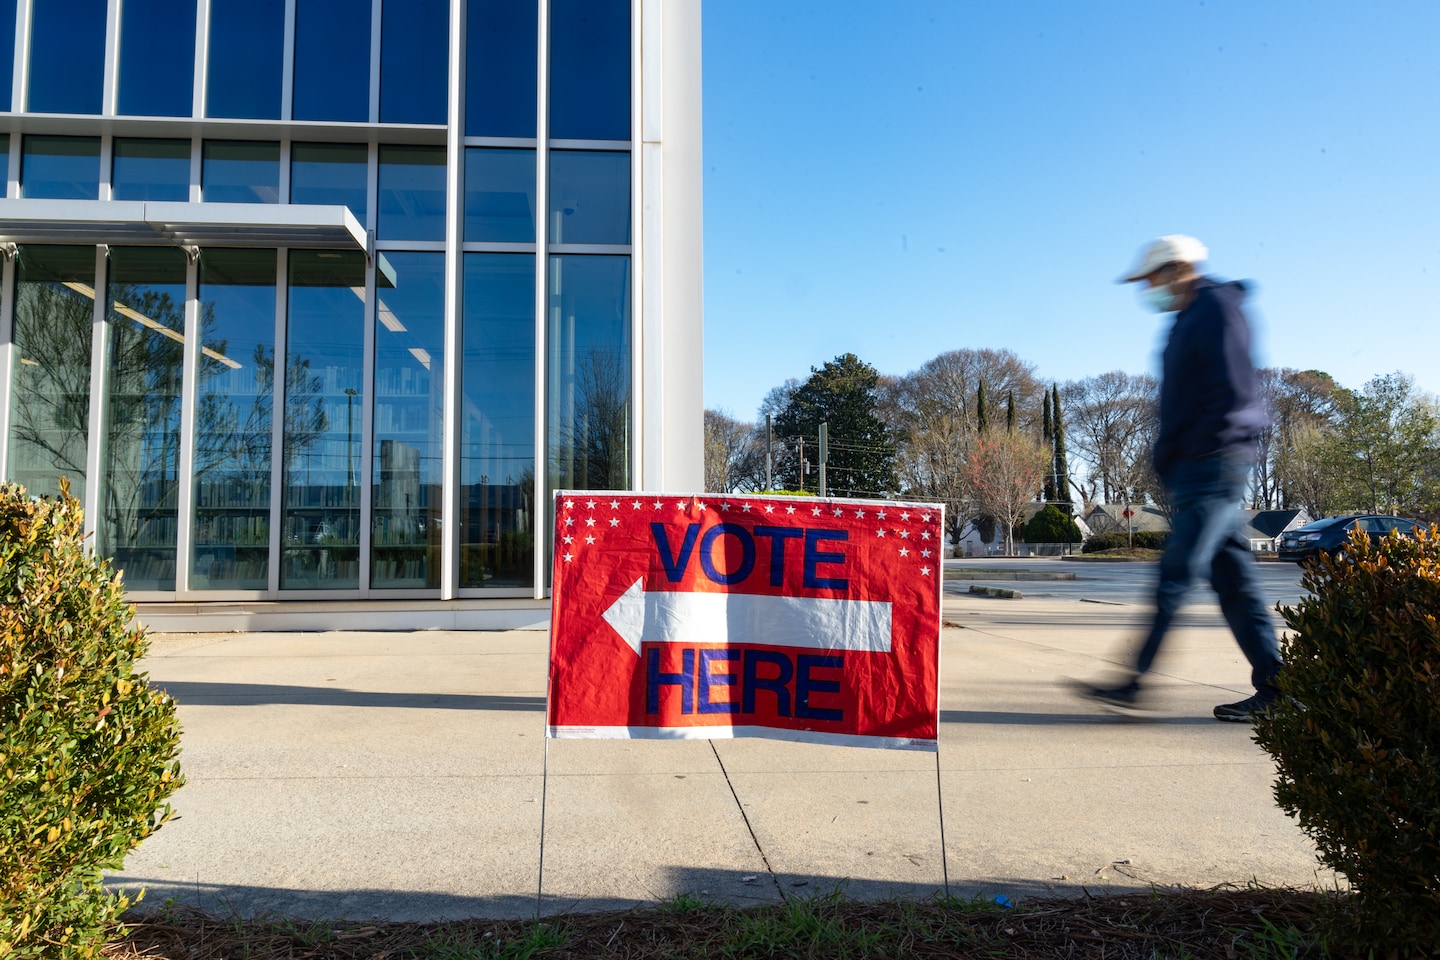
{"points": [[258, 407]]}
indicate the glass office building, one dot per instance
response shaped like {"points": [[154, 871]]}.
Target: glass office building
{"points": [[312, 303]]}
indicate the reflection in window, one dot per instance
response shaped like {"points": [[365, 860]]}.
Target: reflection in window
{"points": [[324, 407], [140, 433], [235, 399], [150, 169], [412, 193], [246, 47], [589, 197], [240, 171], [334, 173], [499, 195], [497, 422], [588, 373], [414, 60], [50, 385], [7, 53], [60, 168], [332, 60], [409, 415], [157, 58], [590, 69], [67, 56]]}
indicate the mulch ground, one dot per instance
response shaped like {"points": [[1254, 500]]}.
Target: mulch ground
{"points": [[1223, 924]]}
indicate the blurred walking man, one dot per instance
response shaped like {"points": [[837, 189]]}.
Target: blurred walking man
{"points": [[1210, 415]]}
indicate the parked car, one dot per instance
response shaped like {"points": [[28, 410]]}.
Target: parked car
{"points": [[1332, 534]]}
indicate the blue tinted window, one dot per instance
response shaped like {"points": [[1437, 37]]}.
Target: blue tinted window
{"points": [[67, 56], [590, 69], [332, 60], [500, 71], [247, 44], [589, 197], [234, 410], [330, 173], [61, 168], [150, 170], [497, 421], [587, 373], [157, 58], [237, 171], [7, 52], [325, 397], [414, 61], [407, 472], [412, 193], [500, 195], [5, 160]]}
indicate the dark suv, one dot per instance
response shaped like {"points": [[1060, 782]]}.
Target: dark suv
{"points": [[1333, 534]]}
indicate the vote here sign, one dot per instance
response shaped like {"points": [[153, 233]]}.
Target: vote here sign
{"points": [[702, 616]]}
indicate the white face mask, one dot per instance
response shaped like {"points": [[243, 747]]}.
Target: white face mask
{"points": [[1159, 299]]}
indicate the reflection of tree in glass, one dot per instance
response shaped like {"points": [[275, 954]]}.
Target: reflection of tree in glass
{"points": [[51, 400], [305, 417], [590, 445], [141, 453], [233, 426]]}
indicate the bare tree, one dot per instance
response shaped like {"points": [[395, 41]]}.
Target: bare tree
{"points": [[1003, 472], [734, 454], [931, 413], [1112, 419]]}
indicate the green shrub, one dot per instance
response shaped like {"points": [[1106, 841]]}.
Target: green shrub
{"points": [[1119, 539], [1356, 735], [88, 753], [1050, 525]]}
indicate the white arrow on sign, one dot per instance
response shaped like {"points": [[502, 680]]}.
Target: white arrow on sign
{"points": [[818, 623]]}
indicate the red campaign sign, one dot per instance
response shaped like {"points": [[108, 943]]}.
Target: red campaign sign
{"points": [[701, 616]]}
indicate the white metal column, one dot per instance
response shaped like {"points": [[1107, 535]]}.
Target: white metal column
{"points": [[189, 390], [99, 388], [452, 420], [7, 357], [541, 521]]}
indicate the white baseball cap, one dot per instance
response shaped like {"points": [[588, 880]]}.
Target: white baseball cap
{"points": [[1176, 248]]}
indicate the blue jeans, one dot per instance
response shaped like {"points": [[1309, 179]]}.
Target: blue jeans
{"points": [[1205, 542]]}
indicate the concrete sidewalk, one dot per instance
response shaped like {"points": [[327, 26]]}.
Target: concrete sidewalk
{"points": [[400, 775]]}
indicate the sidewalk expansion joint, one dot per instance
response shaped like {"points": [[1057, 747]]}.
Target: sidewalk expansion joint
{"points": [[743, 816]]}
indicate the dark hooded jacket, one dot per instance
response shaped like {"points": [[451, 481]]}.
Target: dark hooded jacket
{"points": [[1209, 396]]}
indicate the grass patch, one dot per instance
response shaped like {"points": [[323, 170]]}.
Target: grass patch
{"points": [[1122, 554], [1228, 923]]}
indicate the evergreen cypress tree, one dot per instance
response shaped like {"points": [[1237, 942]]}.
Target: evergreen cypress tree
{"points": [[982, 416], [1010, 413], [1047, 433], [1062, 466]]}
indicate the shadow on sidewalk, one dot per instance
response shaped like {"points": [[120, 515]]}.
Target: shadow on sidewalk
{"points": [[732, 887], [257, 694]]}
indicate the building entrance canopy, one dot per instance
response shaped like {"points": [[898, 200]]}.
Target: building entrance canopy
{"points": [[149, 223]]}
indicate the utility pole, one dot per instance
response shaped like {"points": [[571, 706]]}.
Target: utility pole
{"points": [[824, 453], [769, 457], [800, 454]]}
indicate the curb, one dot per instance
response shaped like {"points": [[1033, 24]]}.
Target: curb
{"points": [[1001, 592]]}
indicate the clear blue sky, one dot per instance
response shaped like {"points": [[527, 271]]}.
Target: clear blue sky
{"points": [[897, 179]]}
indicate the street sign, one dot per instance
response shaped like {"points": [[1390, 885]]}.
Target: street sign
{"points": [[703, 616]]}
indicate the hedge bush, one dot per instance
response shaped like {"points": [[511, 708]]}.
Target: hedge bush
{"points": [[1356, 734], [1118, 540], [1050, 525], [88, 753]]}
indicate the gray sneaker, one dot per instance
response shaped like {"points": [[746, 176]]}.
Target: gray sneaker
{"points": [[1244, 711]]}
